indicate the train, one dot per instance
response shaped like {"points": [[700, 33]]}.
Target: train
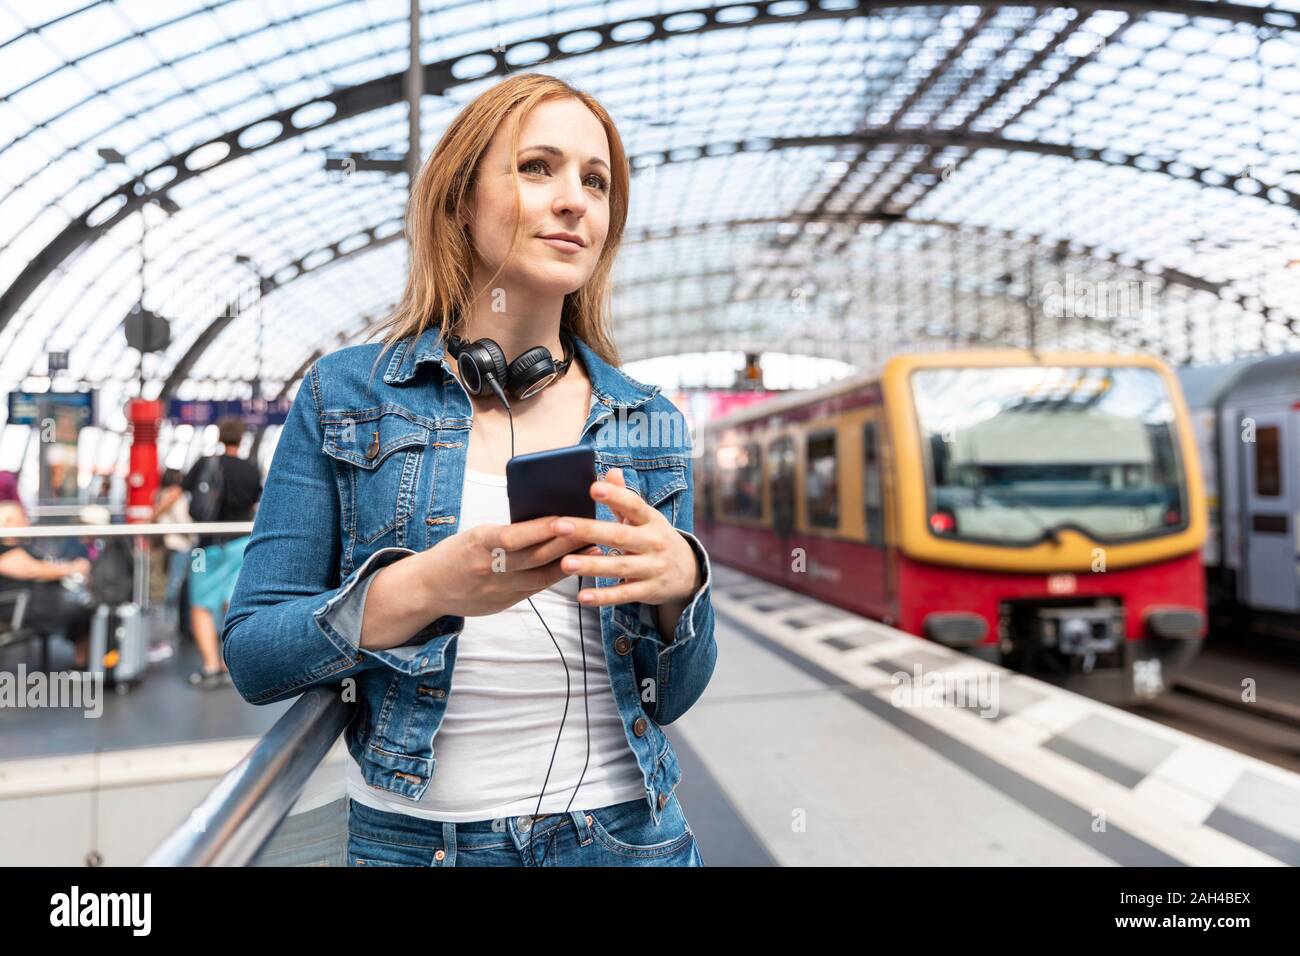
{"points": [[1246, 416], [1040, 510]]}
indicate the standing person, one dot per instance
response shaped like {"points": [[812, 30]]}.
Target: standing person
{"points": [[176, 546], [383, 554], [222, 487]]}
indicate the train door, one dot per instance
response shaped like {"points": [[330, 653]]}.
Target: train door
{"points": [[780, 479], [1271, 492], [875, 566], [704, 506]]}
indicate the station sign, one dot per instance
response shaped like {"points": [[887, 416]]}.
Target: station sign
{"points": [[28, 408], [257, 412]]}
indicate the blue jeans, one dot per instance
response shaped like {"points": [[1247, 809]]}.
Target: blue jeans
{"points": [[616, 835]]}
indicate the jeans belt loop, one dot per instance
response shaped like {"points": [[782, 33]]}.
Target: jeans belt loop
{"points": [[449, 844], [582, 827]]}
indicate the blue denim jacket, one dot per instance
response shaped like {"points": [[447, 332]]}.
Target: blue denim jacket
{"points": [[369, 469]]}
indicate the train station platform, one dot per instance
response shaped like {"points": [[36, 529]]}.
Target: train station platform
{"points": [[823, 739], [805, 720]]}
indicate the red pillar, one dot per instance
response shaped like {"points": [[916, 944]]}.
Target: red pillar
{"points": [[142, 483]]}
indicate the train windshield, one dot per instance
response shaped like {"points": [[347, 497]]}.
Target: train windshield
{"points": [[1014, 454]]}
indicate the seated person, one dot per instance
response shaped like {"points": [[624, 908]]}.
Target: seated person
{"points": [[50, 606]]}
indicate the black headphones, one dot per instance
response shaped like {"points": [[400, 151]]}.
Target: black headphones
{"points": [[483, 363]]}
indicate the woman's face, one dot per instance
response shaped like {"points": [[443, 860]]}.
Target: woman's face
{"points": [[564, 183]]}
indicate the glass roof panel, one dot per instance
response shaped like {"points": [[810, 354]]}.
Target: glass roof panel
{"points": [[908, 178]]}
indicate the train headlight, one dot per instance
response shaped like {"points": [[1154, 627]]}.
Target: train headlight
{"points": [[943, 522]]}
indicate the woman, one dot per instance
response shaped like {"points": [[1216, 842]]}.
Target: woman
{"points": [[50, 606], [383, 556], [170, 507]]}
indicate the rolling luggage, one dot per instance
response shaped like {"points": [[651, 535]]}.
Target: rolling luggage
{"points": [[119, 644]]}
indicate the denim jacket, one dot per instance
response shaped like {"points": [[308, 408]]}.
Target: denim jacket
{"points": [[369, 469]]}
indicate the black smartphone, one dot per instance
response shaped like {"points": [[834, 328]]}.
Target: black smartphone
{"points": [[551, 482]]}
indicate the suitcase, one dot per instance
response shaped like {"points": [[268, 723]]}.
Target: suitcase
{"points": [[119, 644]]}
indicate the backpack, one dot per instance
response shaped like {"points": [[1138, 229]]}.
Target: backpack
{"points": [[205, 499], [113, 573]]}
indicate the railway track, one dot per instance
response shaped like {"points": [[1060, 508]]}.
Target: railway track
{"points": [[1208, 701]]}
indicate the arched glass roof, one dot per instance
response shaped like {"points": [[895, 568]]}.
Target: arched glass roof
{"points": [[838, 179]]}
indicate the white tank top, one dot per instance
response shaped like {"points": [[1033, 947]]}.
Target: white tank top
{"points": [[506, 701]]}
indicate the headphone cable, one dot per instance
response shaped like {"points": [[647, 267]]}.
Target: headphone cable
{"points": [[582, 643]]}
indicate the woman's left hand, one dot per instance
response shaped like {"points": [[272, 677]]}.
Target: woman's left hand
{"points": [[655, 563]]}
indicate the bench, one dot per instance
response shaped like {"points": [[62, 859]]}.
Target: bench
{"points": [[13, 605]]}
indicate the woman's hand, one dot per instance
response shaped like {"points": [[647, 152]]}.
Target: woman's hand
{"points": [[489, 568], [479, 571], [656, 564]]}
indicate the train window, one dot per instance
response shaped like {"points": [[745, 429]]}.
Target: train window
{"points": [[871, 495], [740, 480], [1268, 462], [780, 479], [822, 491], [1011, 455]]}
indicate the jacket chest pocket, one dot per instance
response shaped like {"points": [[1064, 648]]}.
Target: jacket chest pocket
{"points": [[658, 481], [378, 455]]}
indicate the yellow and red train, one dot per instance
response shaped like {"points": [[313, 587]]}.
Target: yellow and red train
{"points": [[1041, 510]]}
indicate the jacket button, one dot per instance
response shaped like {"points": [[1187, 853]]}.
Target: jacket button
{"points": [[622, 644], [442, 854], [639, 727], [663, 800]]}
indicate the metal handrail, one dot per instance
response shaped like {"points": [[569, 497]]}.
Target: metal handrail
{"points": [[248, 804], [141, 568], [71, 510], [125, 530], [235, 821]]}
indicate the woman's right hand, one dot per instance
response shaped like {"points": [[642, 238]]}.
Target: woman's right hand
{"points": [[489, 568]]}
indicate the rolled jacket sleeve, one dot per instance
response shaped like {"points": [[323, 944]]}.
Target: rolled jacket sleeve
{"points": [[292, 623], [341, 615], [685, 664], [344, 613]]}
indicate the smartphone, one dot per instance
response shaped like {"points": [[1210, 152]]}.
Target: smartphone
{"points": [[551, 482]]}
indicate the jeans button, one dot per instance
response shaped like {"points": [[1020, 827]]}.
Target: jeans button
{"points": [[442, 854], [525, 823]]}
